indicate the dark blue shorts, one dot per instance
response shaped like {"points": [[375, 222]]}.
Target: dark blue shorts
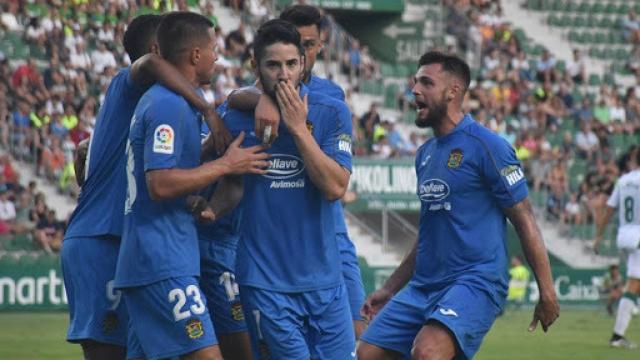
{"points": [[466, 311], [218, 283], [95, 308], [168, 318], [298, 326]]}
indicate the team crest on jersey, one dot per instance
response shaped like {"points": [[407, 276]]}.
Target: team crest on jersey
{"points": [[110, 322], [163, 138], [236, 312], [194, 329], [310, 126], [455, 159]]}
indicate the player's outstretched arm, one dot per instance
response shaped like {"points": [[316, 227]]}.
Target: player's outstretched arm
{"points": [[151, 68], [266, 111], [521, 216], [79, 161], [167, 184], [329, 176], [398, 279], [602, 224]]}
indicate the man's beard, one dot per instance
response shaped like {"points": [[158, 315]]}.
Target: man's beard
{"points": [[435, 115]]}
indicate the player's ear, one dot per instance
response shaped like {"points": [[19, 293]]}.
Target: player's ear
{"points": [[195, 56]]}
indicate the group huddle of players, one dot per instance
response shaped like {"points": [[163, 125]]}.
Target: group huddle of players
{"points": [[194, 239]]}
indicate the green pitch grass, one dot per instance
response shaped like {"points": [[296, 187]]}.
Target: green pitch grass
{"points": [[578, 334]]}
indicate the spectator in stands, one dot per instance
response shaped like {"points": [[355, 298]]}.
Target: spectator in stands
{"points": [[49, 232], [576, 68], [572, 213], [545, 67], [555, 203], [7, 208], [630, 25], [518, 281], [353, 62], [369, 120], [381, 148], [586, 141], [101, 58]]}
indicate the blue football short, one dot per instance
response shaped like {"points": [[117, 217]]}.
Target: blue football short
{"points": [[95, 308], [217, 281], [298, 326], [351, 274], [466, 311], [168, 318]]}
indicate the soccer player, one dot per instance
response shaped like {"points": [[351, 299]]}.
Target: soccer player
{"points": [[307, 20], [98, 319], [158, 264], [455, 275], [218, 242], [625, 198], [288, 264]]}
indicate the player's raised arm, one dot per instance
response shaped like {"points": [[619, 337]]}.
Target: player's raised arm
{"points": [[152, 68], [325, 172], [521, 216], [266, 112], [169, 183]]}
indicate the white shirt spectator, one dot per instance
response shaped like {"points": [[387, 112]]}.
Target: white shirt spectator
{"points": [[34, 33], [10, 21], [586, 141], [575, 68], [102, 59], [49, 24], [7, 210], [80, 61], [617, 113]]}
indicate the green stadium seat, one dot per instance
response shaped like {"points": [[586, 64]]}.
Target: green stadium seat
{"points": [[600, 38], [606, 22], [623, 9], [579, 22], [390, 96], [594, 80], [583, 7], [611, 8], [596, 8], [386, 70]]}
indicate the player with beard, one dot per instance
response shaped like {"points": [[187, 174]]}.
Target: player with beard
{"points": [[445, 295], [307, 20], [288, 263]]}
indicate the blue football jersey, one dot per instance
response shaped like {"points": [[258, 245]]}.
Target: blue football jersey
{"points": [[331, 89], [288, 241], [159, 238], [99, 209], [465, 179]]}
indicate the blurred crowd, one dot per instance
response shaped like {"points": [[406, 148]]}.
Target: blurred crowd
{"points": [[568, 134]]}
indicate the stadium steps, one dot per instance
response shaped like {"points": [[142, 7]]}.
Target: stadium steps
{"points": [[369, 244]]}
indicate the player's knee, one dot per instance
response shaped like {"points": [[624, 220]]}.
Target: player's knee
{"points": [[366, 351], [94, 350]]}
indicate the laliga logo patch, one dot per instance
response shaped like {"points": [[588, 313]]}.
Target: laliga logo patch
{"points": [[163, 138], [455, 159], [194, 329]]}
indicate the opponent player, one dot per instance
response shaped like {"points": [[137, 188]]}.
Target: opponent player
{"points": [[307, 20], [455, 276], [287, 260], [98, 319], [625, 198], [158, 267]]}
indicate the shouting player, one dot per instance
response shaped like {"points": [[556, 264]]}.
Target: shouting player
{"points": [[469, 182]]}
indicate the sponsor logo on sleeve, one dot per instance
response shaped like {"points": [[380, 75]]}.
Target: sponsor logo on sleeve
{"points": [[344, 143], [163, 138], [512, 173], [455, 159]]}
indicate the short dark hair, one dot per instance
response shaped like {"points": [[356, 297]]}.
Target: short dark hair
{"points": [[302, 15], [450, 63], [140, 32], [274, 31], [178, 32]]}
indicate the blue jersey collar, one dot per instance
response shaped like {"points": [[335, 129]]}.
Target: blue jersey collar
{"points": [[466, 121]]}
